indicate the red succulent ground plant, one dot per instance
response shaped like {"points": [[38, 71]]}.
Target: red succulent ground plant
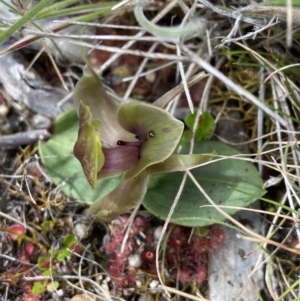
{"points": [[22, 267], [186, 256]]}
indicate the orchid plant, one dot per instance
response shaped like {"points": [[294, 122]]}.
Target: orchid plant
{"points": [[127, 154], [133, 140]]}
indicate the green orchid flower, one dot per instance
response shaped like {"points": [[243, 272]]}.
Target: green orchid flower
{"points": [[132, 140]]}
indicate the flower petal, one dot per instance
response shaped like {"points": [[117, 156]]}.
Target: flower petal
{"points": [[87, 148], [89, 89], [127, 195], [120, 158], [158, 131]]}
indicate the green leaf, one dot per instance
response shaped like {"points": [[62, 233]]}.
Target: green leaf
{"points": [[88, 146], [205, 125], [47, 225], [218, 179], [53, 252], [63, 168], [63, 254], [49, 272], [43, 263], [70, 241], [52, 286], [38, 288], [179, 163], [158, 131]]}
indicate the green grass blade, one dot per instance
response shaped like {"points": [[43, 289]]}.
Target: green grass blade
{"points": [[11, 7], [23, 20], [94, 15], [85, 18], [295, 3], [55, 8], [76, 9]]}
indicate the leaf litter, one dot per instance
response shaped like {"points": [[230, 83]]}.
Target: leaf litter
{"points": [[263, 114]]}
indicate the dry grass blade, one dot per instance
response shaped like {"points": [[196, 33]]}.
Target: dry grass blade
{"points": [[241, 65], [238, 89]]}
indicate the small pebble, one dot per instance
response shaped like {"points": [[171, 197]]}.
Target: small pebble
{"points": [[81, 298], [134, 260], [100, 277], [138, 283], [126, 293], [40, 121], [158, 232], [154, 284], [65, 269], [60, 293], [80, 230], [150, 77], [3, 110], [51, 287]]}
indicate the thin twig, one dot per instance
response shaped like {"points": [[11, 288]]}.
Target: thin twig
{"points": [[235, 222], [120, 51], [164, 229], [23, 138], [138, 73], [235, 87], [234, 15], [260, 118], [116, 54]]}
